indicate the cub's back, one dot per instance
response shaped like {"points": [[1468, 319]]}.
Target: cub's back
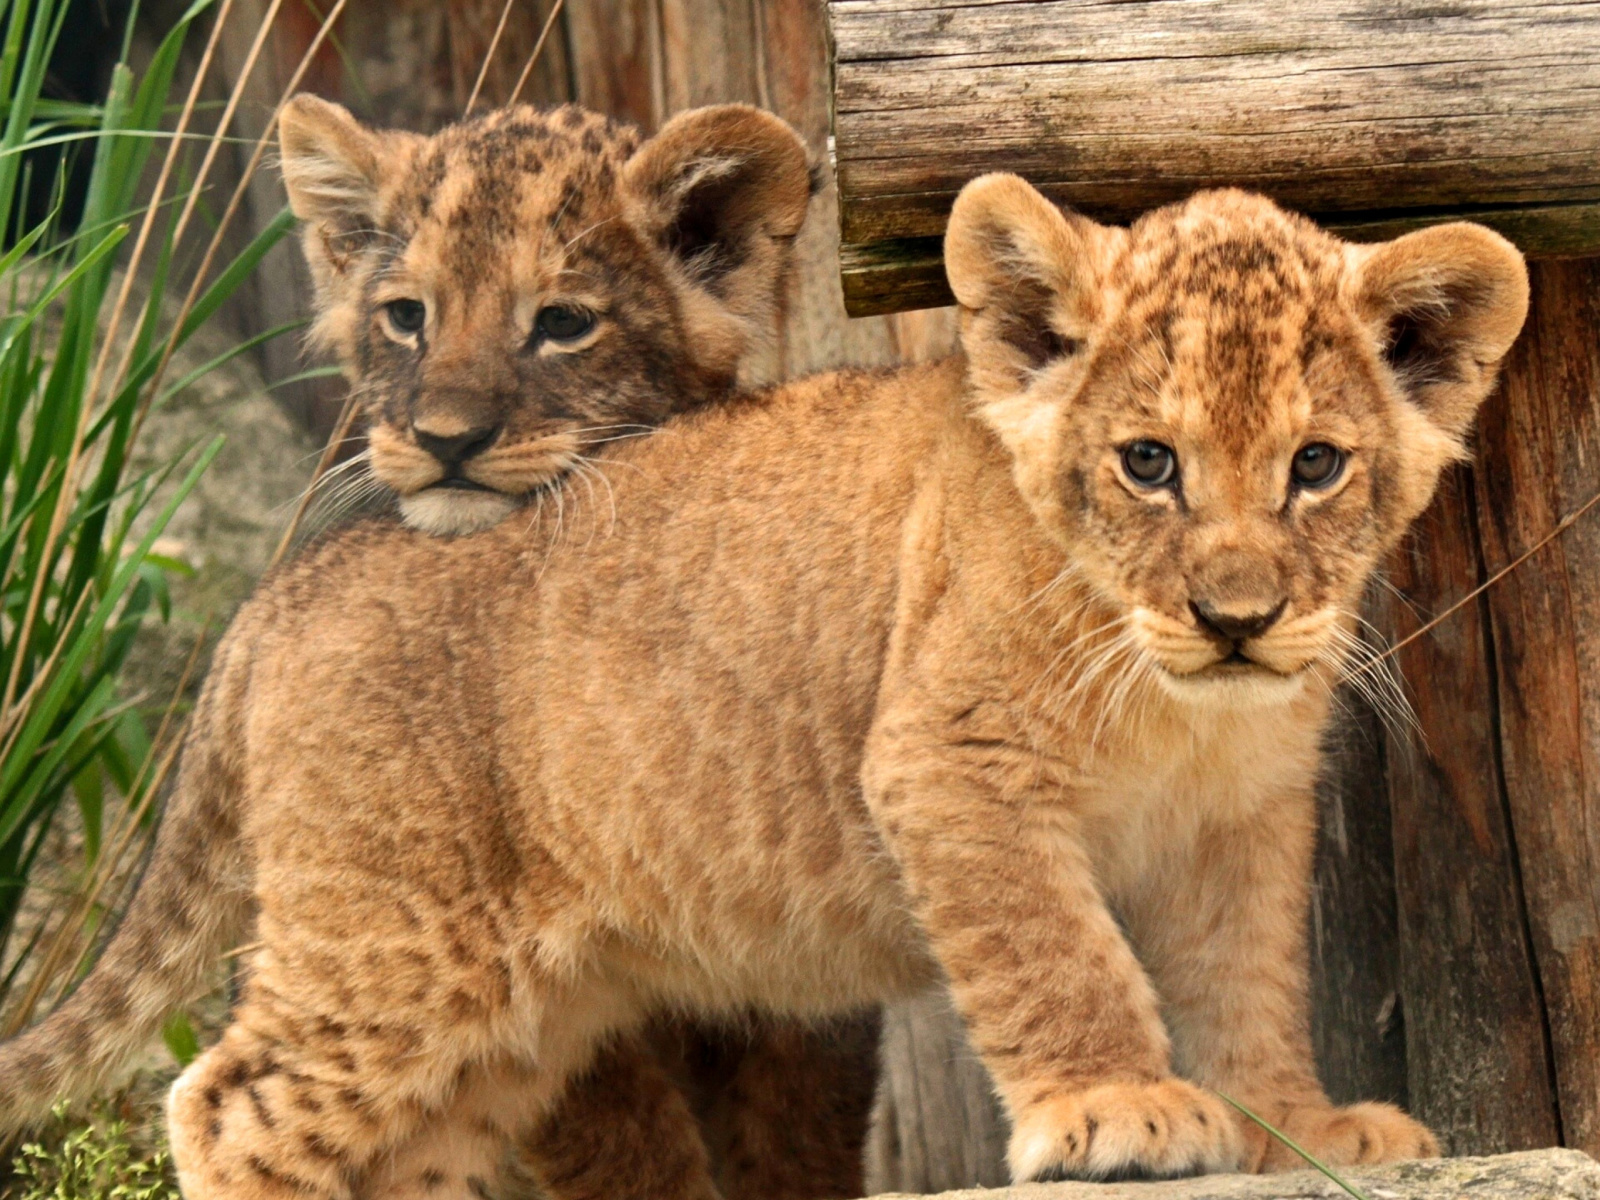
{"points": [[740, 534], [606, 697]]}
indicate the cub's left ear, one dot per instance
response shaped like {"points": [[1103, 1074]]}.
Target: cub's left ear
{"points": [[1447, 303], [1027, 277], [724, 190]]}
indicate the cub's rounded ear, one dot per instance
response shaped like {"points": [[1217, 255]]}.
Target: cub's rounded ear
{"points": [[1446, 304], [723, 190], [331, 169], [1027, 276]]}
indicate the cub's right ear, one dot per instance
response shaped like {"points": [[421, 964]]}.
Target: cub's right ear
{"points": [[1027, 277], [331, 169], [1446, 304], [723, 190]]}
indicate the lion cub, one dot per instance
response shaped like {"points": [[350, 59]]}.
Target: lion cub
{"points": [[509, 297], [520, 289], [881, 679]]}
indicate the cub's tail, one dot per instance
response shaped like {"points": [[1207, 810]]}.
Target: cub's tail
{"points": [[192, 902]]}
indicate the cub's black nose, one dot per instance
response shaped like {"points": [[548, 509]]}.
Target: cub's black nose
{"points": [[1238, 624], [455, 449]]}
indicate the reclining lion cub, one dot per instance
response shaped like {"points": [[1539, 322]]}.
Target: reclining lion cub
{"points": [[511, 298], [880, 678]]}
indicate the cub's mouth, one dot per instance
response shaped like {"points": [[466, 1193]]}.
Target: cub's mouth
{"points": [[460, 483]]}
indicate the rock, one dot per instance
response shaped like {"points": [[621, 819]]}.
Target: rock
{"points": [[1530, 1175]]}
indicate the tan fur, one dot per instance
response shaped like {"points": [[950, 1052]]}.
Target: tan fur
{"points": [[677, 247], [487, 219], [681, 245], [876, 680]]}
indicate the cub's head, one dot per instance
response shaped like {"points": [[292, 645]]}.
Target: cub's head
{"points": [[522, 287], [1224, 414]]}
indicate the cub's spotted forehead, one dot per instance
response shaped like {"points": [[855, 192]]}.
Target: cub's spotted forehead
{"points": [[1232, 302], [1230, 252], [511, 173]]}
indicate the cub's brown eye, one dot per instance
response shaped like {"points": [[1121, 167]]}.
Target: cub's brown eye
{"points": [[407, 316], [1150, 464], [562, 324], [1317, 465]]}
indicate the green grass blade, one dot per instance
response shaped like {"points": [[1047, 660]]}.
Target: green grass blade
{"points": [[1292, 1145], [226, 357], [46, 710]]}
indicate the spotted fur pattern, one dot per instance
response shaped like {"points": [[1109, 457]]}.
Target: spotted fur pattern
{"points": [[862, 691]]}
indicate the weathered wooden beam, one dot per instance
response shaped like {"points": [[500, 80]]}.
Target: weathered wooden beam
{"points": [[1478, 1064], [1364, 113], [908, 273]]}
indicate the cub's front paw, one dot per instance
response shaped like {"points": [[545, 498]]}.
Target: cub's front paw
{"points": [[1125, 1131], [1360, 1133]]}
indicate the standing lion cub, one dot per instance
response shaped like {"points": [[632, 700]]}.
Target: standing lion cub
{"points": [[879, 679]]}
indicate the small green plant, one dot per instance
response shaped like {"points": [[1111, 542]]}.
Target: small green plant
{"points": [[84, 352], [97, 1160]]}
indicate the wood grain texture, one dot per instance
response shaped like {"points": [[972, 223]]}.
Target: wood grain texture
{"points": [[938, 1125], [1358, 1021], [901, 274], [1478, 1067], [616, 58], [1538, 457], [1364, 108]]}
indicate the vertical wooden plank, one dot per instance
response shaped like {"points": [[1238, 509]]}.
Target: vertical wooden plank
{"points": [[471, 29], [1478, 1072], [816, 333], [938, 1126], [1540, 459], [616, 58], [1358, 1024], [710, 53]]}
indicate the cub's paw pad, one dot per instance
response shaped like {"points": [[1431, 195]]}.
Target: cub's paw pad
{"points": [[1339, 1137], [1125, 1131]]}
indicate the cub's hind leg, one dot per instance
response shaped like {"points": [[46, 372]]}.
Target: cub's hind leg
{"points": [[293, 1106], [786, 1106], [619, 1130], [623, 1130]]}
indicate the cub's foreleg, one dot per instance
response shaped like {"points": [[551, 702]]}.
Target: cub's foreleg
{"points": [[1055, 1002], [1222, 928]]}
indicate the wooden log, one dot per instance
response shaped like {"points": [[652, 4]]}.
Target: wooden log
{"points": [[1363, 109], [1539, 1175], [938, 1124]]}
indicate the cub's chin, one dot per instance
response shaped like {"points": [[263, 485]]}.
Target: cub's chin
{"points": [[450, 512], [1233, 687]]}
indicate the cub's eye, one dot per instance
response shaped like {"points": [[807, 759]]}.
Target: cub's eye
{"points": [[562, 324], [1317, 465], [1150, 464], [407, 316]]}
